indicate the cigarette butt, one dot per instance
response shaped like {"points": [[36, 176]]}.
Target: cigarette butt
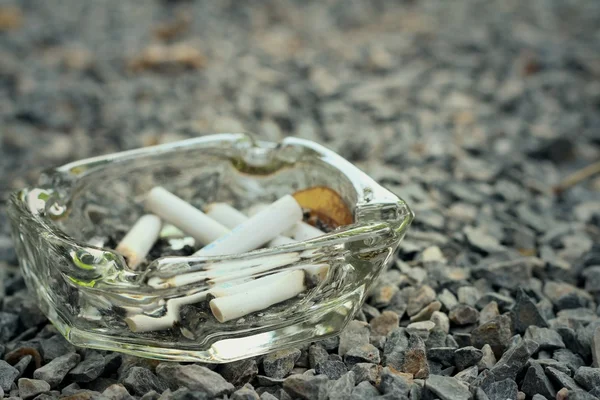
{"points": [[146, 323], [225, 214], [257, 230], [281, 241], [137, 243], [303, 231], [299, 232], [232, 289], [288, 286], [224, 271], [231, 217], [184, 216]]}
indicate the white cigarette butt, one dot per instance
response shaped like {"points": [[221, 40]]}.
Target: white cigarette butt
{"points": [[225, 214], [299, 232], [137, 243], [184, 216], [257, 230], [146, 323], [303, 231], [287, 286], [231, 217]]}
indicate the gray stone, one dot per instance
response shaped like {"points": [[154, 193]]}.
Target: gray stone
{"points": [[341, 389], [596, 348], [447, 388], [415, 358], [463, 314], [546, 338], [581, 395], [564, 295], [489, 312], [266, 381], [330, 343], [88, 369], [240, 372], [364, 353], [502, 390], [245, 393], [280, 363], [441, 321], [480, 240], [70, 389], [364, 390], [29, 388], [421, 328], [307, 387], [151, 395], [536, 382], [582, 315], [467, 357], [55, 371], [357, 333], [549, 362], [592, 278], [195, 378], [461, 339], [448, 299], [316, 354], [525, 313], [422, 297], [509, 274], [332, 368], [442, 355], [496, 333], [468, 375], [367, 372], [588, 377], [561, 379], [488, 359], [437, 338], [184, 394], [395, 346], [468, 295], [504, 302], [55, 346], [393, 383], [384, 323], [569, 359], [23, 364], [383, 294], [8, 374], [513, 360], [9, 324], [139, 380], [537, 397], [117, 392], [369, 312], [426, 313]]}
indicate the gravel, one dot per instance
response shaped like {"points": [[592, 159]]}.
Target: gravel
{"points": [[55, 371], [496, 284]]}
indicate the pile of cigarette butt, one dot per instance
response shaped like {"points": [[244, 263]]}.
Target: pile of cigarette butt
{"points": [[223, 230]]}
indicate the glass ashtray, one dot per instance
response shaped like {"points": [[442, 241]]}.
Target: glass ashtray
{"points": [[61, 229]]}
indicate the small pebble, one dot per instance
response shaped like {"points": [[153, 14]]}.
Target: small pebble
{"points": [[463, 315], [29, 388], [280, 363], [467, 357], [356, 334], [384, 323]]}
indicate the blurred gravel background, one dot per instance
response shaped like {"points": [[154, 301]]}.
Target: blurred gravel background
{"points": [[473, 111]]}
